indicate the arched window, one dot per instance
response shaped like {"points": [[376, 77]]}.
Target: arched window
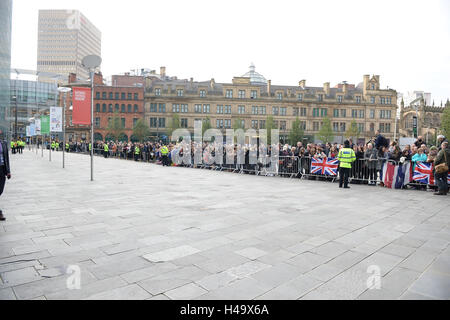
{"points": [[97, 107], [116, 107], [129, 108], [111, 96], [110, 109], [109, 137], [98, 137], [123, 108], [104, 107], [123, 137], [136, 108]]}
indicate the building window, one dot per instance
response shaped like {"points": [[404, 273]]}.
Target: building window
{"points": [[184, 108], [340, 99], [162, 108], [372, 100], [262, 124], [116, 107], [300, 96], [372, 113], [262, 110], [110, 96], [323, 112], [227, 110], [122, 108], [335, 126], [97, 122], [219, 109], [130, 110], [130, 96], [241, 109], [157, 91], [184, 123], [122, 120], [315, 126], [254, 94], [136, 96], [136, 108], [175, 108], [283, 111], [153, 122], [275, 111], [135, 120], [110, 108], [361, 127], [117, 95], [97, 107], [373, 86], [358, 99], [385, 114], [342, 126], [316, 112], [282, 125], [295, 111], [241, 124], [254, 110], [303, 112], [229, 93], [104, 107], [254, 124], [202, 93], [320, 97], [219, 123], [336, 113], [153, 107], [123, 95], [109, 122], [280, 96], [354, 113], [162, 122], [179, 92], [343, 113], [361, 114], [103, 95], [241, 94], [198, 108], [206, 108], [97, 95]]}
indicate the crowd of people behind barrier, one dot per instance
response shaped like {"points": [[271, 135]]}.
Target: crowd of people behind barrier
{"points": [[293, 161]]}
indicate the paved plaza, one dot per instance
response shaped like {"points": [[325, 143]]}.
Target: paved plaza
{"points": [[143, 231]]}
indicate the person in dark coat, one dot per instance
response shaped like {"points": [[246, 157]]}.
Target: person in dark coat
{"points": [[5, 171], [441, 178]]}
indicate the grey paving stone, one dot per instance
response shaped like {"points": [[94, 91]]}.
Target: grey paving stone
{"points": [[398, 250], [7, 294], [251, 253], [131, 292], [21, 276], [148, 272], [186, 292], [171, 254], [419, 260], [293, 289], [433, 284], [307, 261], [217, 280], [245, 289], [277, 274]]}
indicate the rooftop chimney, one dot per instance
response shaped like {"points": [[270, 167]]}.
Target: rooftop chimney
{"points": [[326, 88], [345, 87], [366, 83], [72, 77], [212, 83], [269, 86], [162, 71]]}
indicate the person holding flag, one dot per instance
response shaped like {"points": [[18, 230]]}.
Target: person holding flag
{"points": [[346, 157]]}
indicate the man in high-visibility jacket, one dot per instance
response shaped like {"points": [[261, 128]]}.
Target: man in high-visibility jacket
{"points": [[106, 150], [67, 147], [137, 152], [346, 157], [13, 147], [52, 145], [21, 146], [90, 147], [164, 154], [57, 146]]}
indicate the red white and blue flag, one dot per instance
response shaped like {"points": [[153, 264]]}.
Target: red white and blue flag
{"points": [[325, 166], [396, 176], [423, 172]]}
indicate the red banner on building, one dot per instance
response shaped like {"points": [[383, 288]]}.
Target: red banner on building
{"points": [[81, 100]]}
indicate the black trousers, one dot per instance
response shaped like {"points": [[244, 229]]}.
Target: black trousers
{"points": [[2, 180], [343, 176]]}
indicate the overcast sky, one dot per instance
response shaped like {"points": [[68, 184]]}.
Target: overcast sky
{"points": [[406, 42]]}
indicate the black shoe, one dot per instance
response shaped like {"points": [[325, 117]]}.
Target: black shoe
{"points": [[439, 194], [347, 187], [2, 218], [340, 186]]}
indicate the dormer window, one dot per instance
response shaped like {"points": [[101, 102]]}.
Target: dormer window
{"points": [[320, 97], [179, 92], [229, 93], [373, 86], [280, 96], [340, 99], [157, 91], [202, 93]]}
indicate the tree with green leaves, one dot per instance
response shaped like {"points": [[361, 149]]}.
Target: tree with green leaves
{"points": [[206, 124], [270, 124], [445, 121], [141, 130], [238, 124], [296, 133], [352, 131], [326, 132], [115, 128], [174, 124]]}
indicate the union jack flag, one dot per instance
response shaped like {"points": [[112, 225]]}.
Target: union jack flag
{"points": [[325, 166], [423, 172]]}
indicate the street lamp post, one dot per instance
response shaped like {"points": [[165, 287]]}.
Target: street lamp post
{"points": [[65, 91], [91, 62]]}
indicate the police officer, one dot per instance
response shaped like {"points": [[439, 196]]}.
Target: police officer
{"points": [[346, 156], [106, 150], [13, 147], [57, 146], [67, 147], [164, 153], [137, 152], [52, 145]]}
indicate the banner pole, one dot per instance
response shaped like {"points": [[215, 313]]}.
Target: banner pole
{"points": [[92, 125]]}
